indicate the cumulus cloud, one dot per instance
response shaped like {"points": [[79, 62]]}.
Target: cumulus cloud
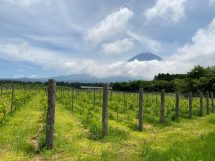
{"points": [[40, 56], [117, 47], [110, 26], [200, 51], [167, 10]]}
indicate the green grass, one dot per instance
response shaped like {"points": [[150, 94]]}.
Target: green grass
{"points": [[18, 134], [186, 140], [189, 140]]}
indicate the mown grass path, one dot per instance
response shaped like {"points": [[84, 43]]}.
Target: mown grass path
{"points": [[18, 136], [189, 140], [71, 139]]}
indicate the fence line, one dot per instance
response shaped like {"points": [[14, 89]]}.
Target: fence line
{"points": [[179, 105]]}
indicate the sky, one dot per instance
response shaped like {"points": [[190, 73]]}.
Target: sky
{"points": [[44, 38]]}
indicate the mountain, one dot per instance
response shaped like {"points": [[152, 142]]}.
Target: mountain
{"points": [[84, 78], [81, 78], [147, 56]]}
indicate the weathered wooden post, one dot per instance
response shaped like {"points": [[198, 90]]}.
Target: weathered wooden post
{"points": [[207, 102], [177, 105], [212, 101], [50, 119], [105, 111], [201, 110], [162, 109], [190, 105], [12, 99], [140, 126]]}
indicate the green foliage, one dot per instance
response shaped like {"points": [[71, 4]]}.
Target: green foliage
{"points": [[3, 110], [181, 85], [197, 72], [78, 131], [198, 79], [20, 99]]}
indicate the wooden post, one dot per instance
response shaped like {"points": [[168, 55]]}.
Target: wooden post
{"points": [[201, 104], [212, 101], [177, 105], [190, 105], [12, 99], [50, 114], [207, 102], [162, 110], [105, 111], [140, 127]]}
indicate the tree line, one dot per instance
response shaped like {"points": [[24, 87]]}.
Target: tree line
{"points": [[198, 79]]}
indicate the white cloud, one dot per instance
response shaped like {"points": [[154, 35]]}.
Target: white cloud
{"points": [[201, 51], [117, 47], [110, 26], [168, 10], [39, 56], [62, 41], [27, 3], [149, 44]]}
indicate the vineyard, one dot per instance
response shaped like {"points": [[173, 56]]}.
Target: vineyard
{"points": [[89, 124], [9, 102], [123, 107]]}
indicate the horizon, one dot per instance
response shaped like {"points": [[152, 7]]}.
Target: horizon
{"points": [[35, 44]]}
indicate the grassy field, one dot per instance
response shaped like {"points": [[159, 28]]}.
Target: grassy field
{"points": [[77, 132]]}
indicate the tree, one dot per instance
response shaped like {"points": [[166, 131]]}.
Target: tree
{"points": [[181, 85], [197, 72]]}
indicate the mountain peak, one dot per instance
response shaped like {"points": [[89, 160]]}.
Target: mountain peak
{"points": [[146, 56]]}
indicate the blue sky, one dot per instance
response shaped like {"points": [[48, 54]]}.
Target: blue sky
{"points": [[43, 38]]}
